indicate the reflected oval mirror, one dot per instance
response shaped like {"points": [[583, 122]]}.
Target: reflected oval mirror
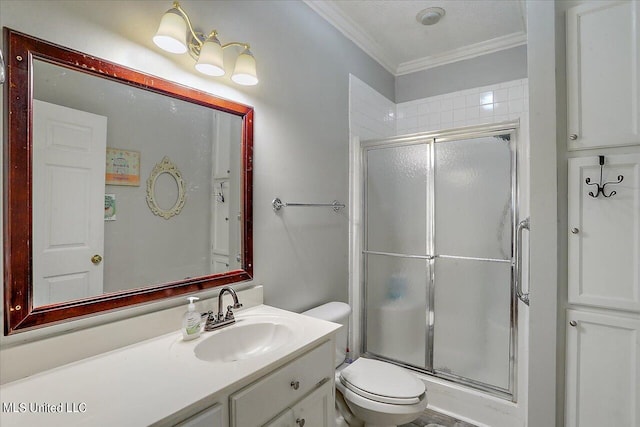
{"points": [[165, 190], [83, 135]]}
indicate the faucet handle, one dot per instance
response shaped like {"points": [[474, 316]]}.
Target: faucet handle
{"points": [[229, 315]]}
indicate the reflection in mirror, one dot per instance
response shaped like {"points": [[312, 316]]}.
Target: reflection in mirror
{"points": [[76, 118], [95, 138], [170, 196]]}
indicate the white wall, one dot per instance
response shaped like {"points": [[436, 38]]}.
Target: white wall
{"points": [[301, 127], [543, 259]]}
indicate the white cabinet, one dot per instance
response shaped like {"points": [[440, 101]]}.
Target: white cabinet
{"points": [[603, 74], [604, 233], [603, 348], [603, 370], [315, 410], [286, 388], [210, 417]]}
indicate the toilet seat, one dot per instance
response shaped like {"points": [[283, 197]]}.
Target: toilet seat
{"points": [[382, 382]]}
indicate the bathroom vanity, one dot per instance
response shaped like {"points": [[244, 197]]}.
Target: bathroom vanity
{"points": [[272, 367]]}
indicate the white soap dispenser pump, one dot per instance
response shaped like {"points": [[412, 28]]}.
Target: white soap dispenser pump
{"points": [[191, 321]]}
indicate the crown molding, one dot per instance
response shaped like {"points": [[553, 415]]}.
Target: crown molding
{"points": [[356, 34], [352, 31], [462, 53]]}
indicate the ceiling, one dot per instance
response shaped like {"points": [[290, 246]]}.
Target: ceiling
{"points": [[389, 32]]}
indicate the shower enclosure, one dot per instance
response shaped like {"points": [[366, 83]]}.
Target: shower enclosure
{"points": [[439, 215]]}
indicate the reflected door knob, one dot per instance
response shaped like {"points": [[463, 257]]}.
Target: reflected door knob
{"points": [[96, 259]]}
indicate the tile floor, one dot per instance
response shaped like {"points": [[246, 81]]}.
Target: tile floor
{"points": [[435, 419]]}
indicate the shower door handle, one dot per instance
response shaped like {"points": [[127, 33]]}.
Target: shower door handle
{"points": [[522, 225]]}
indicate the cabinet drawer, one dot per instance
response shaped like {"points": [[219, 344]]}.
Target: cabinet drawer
{"points": [[261, 401]]}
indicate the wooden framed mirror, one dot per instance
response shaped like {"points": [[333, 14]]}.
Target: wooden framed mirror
{"points": [[210, 138]]}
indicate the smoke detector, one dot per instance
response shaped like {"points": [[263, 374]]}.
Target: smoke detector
{"points": [[430, 15]]}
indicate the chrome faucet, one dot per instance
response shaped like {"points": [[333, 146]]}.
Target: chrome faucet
{"points": [[215, 321]]}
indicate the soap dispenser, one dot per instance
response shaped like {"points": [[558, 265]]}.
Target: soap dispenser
{"points": [[191, 321]]}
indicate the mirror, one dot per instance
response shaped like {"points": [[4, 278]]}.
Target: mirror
{"points": [[120, 188]]}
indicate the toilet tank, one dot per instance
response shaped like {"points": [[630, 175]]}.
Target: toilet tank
{"points": [[336, 312]]}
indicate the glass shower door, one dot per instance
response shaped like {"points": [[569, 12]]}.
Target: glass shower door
{"points": [[473, 222], [439, 216], [395, 260]]}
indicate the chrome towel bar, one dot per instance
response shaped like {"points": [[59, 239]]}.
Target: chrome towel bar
{"points": [[279, 204]]}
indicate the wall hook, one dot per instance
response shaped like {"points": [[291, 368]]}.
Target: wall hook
{"points": [[220, 195], [600, 186]]}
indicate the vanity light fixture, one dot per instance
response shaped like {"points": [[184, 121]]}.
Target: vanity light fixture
{"points": [[176, 35]]}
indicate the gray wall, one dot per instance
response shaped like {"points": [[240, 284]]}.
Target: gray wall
{"points": [[498, 67], [301, 118]]}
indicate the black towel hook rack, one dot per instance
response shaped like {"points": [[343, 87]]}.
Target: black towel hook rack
{"points": [[600, 185]]}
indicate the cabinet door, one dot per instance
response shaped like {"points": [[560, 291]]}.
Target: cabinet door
{"points": [[604, 233], [603, 364], [210, 417], [284, 420], [603, 81], [262, 400], [317, 409]]}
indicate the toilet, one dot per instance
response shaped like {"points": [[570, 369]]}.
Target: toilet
{"points": [[370, 392]]}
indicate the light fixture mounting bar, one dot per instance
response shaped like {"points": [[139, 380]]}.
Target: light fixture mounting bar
{"points": [[198, 37]]}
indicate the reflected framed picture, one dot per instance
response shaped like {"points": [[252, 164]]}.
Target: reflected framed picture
{"points": [[123, 167], [109, 207]]}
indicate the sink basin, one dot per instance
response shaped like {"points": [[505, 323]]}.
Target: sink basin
{"points": [[243, 341]]}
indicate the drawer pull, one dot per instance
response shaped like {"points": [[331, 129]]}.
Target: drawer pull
{"points": [[295, 385], [300, 422], [573, 323]]}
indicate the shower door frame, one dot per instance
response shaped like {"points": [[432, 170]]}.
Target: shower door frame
{"points": [[432, 138]]}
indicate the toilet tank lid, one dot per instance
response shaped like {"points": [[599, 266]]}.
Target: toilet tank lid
{"points": [[331, 311]]}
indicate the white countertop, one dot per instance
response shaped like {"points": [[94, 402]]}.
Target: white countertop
{"points": [[147, 382]]}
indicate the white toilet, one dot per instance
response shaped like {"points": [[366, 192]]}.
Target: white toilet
{"points": [[370, 392]]}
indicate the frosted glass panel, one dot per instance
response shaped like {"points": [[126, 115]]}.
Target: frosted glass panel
{"points": [[396, 300], [472, 320], [396, 199], [473, 198]]}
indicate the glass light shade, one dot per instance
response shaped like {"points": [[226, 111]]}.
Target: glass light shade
{"points": [[245, 70], [210, 60], [172, 33]]}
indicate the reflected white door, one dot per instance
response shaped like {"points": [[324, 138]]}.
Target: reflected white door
{"points": [[68, 203]]}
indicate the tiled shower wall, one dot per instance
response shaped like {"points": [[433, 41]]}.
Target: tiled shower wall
{"points": [[374, 116], [487, 104], [371, 115]]}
